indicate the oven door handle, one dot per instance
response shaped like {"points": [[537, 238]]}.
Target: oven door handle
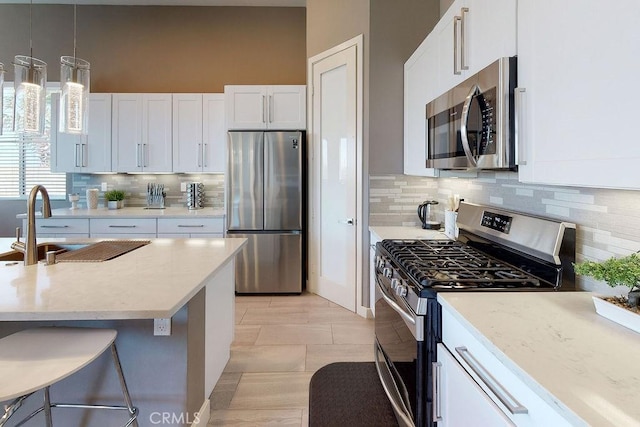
{"points": [[400, 411], [406, 316], [475, 90]]}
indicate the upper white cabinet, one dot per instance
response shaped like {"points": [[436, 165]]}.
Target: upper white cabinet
{"points": [[141, 132], [419, 82], [88, 153], [198, 133], [266, 107], [579, 93], [471, 35]]}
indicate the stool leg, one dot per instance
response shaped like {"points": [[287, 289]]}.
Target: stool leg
{"points": [[11, 408], [123, 384], [47, 408]]}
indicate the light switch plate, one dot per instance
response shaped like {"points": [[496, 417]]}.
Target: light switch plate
{"points": [[104, 186], [183, 186]]}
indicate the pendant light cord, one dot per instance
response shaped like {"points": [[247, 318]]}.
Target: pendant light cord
{"points": [[75, 5], [31, 33]]}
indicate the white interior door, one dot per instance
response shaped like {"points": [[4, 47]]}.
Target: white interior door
{"points": [[334, 207]]}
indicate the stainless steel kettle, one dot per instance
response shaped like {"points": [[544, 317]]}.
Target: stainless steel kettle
{"points": [[426, 215]]}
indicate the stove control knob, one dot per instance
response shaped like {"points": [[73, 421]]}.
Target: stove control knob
{"points": [[386, 272], [379, 262], [401, 291], [395, 283]]}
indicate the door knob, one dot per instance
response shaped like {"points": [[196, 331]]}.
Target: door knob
{"points": [[348, 221]]}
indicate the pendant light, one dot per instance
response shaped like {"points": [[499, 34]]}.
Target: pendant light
{"points": [[30, 81], [74, 83]]}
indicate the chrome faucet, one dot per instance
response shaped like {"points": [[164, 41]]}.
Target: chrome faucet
{"points": [[30, 248]]}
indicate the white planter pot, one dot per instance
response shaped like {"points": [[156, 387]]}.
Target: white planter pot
{"points": [[112, 204], [617, 314]]}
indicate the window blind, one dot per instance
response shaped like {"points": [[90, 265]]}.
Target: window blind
{"points": [[24, 164]]}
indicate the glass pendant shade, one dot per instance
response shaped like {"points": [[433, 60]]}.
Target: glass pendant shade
{"points": [[74, 99], [30, 80]]}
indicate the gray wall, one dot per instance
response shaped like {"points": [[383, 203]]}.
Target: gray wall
{"points": [[397, 28]]}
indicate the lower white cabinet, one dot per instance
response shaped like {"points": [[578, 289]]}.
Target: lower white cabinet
{"points": [[459, 400], [190, 227], [59, 227], [520, 404], [127, 227], [117, 227]]}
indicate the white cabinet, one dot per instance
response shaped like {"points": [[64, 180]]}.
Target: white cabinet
{"points": [[83, 153], [59, 227], [373, 239], [420, 79], [576, 65], [471, 35], [141, 132], [516, 400], [266, 107], [198, 133], [190, 227], [459, 400], [123, 227]]}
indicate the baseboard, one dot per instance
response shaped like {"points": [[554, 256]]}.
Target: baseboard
{"points": [[203, 415], [365, 312]]}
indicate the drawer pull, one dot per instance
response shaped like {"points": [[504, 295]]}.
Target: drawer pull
{"points": [[54, 226], [122, 226], [498, 389], [191, 226]]}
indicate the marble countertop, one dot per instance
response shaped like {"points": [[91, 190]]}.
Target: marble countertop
{"points": [[153, 281], [135, 212], [408, 232], [561, 348]]}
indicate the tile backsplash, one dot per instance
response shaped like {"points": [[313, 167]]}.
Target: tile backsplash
{"points": [[608, 221], [135, 187]]}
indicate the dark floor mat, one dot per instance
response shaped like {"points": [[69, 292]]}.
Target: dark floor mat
{"points": [[348, 394]]}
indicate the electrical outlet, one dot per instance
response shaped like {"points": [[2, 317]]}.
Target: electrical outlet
{"points": [[162, 326], [183, 186], [104, 186]]}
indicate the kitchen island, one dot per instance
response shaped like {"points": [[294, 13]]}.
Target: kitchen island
{"points": [[190, 281]]}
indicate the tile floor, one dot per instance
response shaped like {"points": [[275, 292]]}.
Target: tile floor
{"points": [[280, 342]]}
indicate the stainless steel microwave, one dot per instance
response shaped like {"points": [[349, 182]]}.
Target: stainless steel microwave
{"points": [[472, 125]]}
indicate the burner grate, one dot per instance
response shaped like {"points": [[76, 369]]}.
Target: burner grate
{"points": [[445, 264]]}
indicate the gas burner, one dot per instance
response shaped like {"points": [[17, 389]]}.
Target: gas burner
{"points": [[446, 264]]}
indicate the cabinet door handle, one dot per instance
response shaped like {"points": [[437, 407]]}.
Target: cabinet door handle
{"points": [[270, 109], [520, 128], [122, 226], [463, 51], [138, 147], [83, 153], [456, 20], [145, 155], [54, 226], [437, 397], [204, 154], [77, 163], [199, 155], [498, 389], [264, 107], [190, 225]]}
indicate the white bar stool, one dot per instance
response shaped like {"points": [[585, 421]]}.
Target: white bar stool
{"points": [[34, 359]]}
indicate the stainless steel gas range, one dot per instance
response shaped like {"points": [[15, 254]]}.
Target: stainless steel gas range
{"points": [[496, 251]]}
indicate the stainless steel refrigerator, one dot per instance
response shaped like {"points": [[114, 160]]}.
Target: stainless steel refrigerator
{"points": [[265, 175]]}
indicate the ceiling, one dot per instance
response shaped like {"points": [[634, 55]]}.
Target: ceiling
{"points": [[279, 3]]}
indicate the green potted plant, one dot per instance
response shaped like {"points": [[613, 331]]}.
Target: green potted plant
{"points": [[114, 198], [623, 271]]}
